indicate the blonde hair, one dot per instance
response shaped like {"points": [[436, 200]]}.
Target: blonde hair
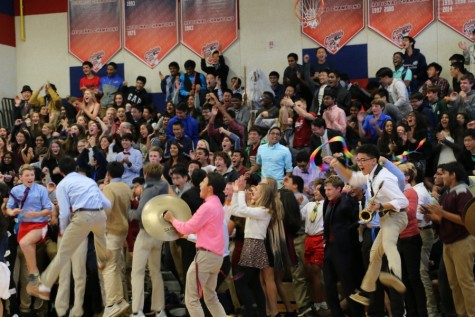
{"points": [[335, 181], [49, 126], [265, 197], [26, 167], [409, 169], [281, 124], [152, 170], [276, 231], [206, 144], [272, 183], [93, 96]]}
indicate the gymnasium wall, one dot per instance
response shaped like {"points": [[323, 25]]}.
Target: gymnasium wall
{"points": [[8, 79], [44, 54]]}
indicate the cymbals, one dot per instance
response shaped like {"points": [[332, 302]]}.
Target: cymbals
{"points": [[469, 216], [152, 216]]}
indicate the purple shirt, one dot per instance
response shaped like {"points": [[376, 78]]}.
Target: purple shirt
{"points": [[312, 174], [207, 223]]}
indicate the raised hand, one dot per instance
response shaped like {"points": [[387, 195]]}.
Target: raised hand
{"points": [[463, 46]]}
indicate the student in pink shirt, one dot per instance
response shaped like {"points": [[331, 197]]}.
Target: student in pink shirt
{"points": [[334, 116], [207, 223]]}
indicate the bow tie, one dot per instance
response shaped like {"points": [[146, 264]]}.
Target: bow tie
{"points": [[126, 153]]}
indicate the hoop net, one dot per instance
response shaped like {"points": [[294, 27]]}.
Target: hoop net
{"points": [[309, 12]]}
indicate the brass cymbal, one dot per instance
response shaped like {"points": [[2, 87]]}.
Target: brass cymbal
{"points": [[469, 216], [152, 216]]}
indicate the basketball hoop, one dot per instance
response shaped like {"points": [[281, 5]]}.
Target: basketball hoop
{"points": [[309, 12]]}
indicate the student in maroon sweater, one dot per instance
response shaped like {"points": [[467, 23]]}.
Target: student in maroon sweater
{"points": [[459, 244]]}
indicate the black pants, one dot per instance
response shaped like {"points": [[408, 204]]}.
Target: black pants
{"points": [[415, 296], [249, 291], [376, 307], [188, 252], [341, 265], [446, 300]]}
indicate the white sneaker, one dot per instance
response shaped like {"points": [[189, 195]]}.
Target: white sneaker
{"points": [[161, 313], [116, 309], [139, 314], [323, 305]]}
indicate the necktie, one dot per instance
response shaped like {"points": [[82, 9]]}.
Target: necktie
{"points": [[313, 216], [126, 153], [171, 85], [324, 148], [25, 195]]}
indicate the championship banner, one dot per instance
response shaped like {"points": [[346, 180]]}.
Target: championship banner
{"points": [[326, 31], [151, 29], [458, 15], [394, 19], [208, 25], [94, 30]]}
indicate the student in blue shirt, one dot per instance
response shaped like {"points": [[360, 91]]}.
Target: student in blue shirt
{"points": [[372, 126], [82, 196], [30, 202], [130, 158], [274, 159]]}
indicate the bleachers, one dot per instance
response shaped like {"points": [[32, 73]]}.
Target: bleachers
{"points": [[6, 113]]}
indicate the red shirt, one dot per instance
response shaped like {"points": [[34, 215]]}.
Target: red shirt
{"points": [[92, 83], [302, 132], [412, 228]]}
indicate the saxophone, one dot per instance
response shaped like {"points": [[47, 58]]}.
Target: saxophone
{"points": [[366, 215]]}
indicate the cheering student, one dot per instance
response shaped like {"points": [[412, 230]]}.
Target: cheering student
{"points": [[389, 203], [30, 202], [207, 223]]}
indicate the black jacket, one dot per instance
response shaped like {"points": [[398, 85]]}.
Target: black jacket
{"points": [[140, 98], [340, 223]]}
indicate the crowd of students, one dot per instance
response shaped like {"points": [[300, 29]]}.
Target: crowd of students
{"points": [[287, 214]]}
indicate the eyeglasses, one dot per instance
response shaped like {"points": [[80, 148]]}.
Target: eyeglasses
{"points": [[275, 133], [362, 160]]}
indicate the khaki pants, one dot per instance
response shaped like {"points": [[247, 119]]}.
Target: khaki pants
{"points": [[44, 253], [299, 276], [103, 111], [208, 265], [77, 265], [427, 236], [112, 273], [385, 243], [459, 258], [82, 223], [147, 249]]}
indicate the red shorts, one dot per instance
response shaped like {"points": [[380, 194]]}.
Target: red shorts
{"points": [[26, 227], [314, 250]]}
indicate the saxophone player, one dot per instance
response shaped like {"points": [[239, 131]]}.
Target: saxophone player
{"points": [[389, 204]]}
